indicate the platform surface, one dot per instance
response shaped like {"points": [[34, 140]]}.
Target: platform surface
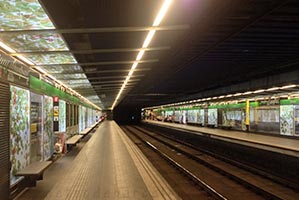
{"points": [[110, 166], [282, 145]]}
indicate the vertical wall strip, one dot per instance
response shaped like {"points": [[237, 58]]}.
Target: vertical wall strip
{"points": [[4, 140]]}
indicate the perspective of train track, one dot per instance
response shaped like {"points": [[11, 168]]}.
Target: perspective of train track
{"points": [[220, 179]]}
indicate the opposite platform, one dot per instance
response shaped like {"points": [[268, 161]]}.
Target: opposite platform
{"points": [[110, 166], [282, 145]]}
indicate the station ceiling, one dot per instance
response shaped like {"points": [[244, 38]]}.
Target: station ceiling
{"points": [[199, 45]]}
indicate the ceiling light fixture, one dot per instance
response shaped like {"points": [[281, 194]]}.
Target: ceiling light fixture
{"points": [[288, 86], [237, 94], [162, 12], [246, 93], [41, 71], [259, 91], [140, 54], [7, 48], [24, 59], [147, 41], [148, 38], [272, 89], [252, 92]]}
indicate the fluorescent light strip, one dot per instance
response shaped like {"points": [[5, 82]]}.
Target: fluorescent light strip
{"points": [[24, 59], [162, 12], [272, 89], [140, 54], [7, 48], [288, 86], [259, 91], [148, 38], [234, 95], [146, 43]]}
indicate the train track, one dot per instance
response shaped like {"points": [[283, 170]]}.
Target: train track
{"points": [[219, 179]]}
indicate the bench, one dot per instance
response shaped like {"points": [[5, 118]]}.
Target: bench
{"points": [[211, 125], [85, 131], [33, 172], [88, 130], [73, 140], [227, 127]]}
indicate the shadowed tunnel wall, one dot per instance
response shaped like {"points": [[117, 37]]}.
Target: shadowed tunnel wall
{"points": [[127, 115]]}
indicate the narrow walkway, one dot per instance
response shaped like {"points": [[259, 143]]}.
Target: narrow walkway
{"points": [[53, 174], [110, 167], [282, 145]]}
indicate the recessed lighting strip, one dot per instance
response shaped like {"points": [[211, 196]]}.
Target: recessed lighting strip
{"points": [[282, 88], [147, 41]]}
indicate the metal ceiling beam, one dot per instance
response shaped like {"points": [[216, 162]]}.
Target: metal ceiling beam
{"points": [[110, 84], [94, 51], [99, 30], [107, 77], [110, 81], [100, 63], [100, 71], [99, 90], [116, 90]]}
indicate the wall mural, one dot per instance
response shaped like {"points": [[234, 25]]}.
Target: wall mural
{"points": [[83, 118], [177, 115], [62, 116], [48, 127], [80, 119], [287, 119], [233, 118], [296, 116], [89, 117], [201, 116], [192, 116], [19, 130], [212, 116]]}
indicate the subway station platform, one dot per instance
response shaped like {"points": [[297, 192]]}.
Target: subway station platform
{"points": [[273, 143], [109, 166]]}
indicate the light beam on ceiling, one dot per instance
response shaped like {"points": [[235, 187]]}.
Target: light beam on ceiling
{"points": [[148, 39]]}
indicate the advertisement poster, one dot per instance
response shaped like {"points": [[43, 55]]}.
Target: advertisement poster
{"points": [[19, 130]]}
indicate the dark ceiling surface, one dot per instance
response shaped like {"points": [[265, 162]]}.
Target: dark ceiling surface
{"points": [[224, 42]]}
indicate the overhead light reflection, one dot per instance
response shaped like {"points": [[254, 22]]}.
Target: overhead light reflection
{"points": [[146, 43]]}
